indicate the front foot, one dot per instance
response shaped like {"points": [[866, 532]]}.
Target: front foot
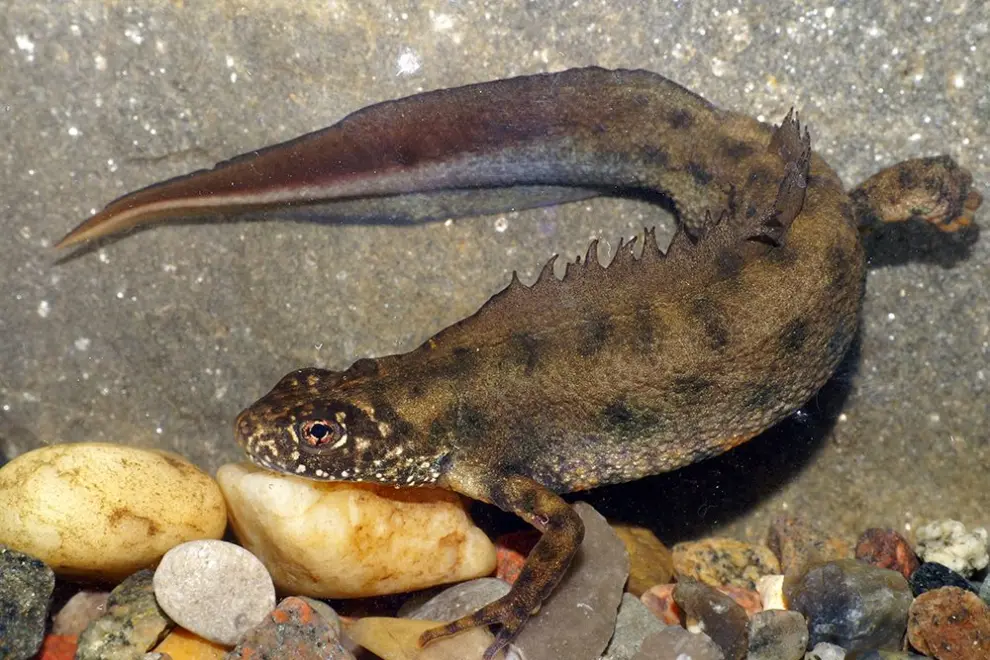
{"points": [[506, 612]]}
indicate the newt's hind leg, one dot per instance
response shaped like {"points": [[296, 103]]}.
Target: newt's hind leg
{"points": [[935, 190], [562, 530]]}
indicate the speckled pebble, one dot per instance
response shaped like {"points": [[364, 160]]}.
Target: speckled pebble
{"points": [[771, 590], [459, 600], [777, 635], [650, 561], [132, 625], [675, 642], [855, 605], [102, 511], [26, 587], [931, 575], [79, 611], [950, 624], [715, 613], [294, 630], [328, 613], [949, 543], [634, 624], [885, 548], [797, 543], [724, 561], [826, 651], [216, 589]]}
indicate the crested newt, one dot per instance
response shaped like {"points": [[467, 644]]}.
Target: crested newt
{"points": [[612, 373]]}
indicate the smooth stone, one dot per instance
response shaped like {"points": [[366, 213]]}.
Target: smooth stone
{"points": [[215, 589], [102, 511], [777, 635], [132, 625], [852, 604], [650, 561], [80, 611], [633, 625], [885, 548], [771, 590], [181, 644], [348, 540], [294, 630], [797, 543], [949, 543], [26, 587], [398, 639], [826, 651], [675, 643], [459, 600], [950, 624], [578, 619], [931, 575], [155, 655], [717, 615], [720, 561]]}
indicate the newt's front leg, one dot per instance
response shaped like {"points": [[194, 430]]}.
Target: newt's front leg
{"points": [[562, 530]]}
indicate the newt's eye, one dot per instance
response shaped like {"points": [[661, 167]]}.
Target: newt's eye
{"points": [[320, 432]]}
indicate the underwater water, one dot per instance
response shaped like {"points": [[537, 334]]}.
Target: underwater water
{"points": [[160, 337]]}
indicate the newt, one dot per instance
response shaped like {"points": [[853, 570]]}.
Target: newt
{"points": [[609, 374]]}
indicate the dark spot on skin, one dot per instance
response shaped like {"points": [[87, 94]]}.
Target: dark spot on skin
{"points": [[692, 389], [762, 396], [782, 255], [680, 119], [527, 351], [465, 423], [737, 150], [763, 175], [641, 99], [838, 343], [702, 176], [838, 269], [628, 421], [655, 156], [905, 177], [416, 390], [712, 320], [386, 413], [594, 334], [794, 335], [728, 264], [363, 368], [646, 335], [751, 211]]}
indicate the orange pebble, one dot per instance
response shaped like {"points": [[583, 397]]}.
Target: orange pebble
{"points": [[58, 647], [184, 645], [511, 551], [659, 599], [748, 599]]}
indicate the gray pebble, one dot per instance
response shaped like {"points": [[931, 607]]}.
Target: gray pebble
{"points": [[457, 601], [985, 591], [826, 651], [215, 589], [675, 642], [80, 611], [132, 625], [26, 586], [777, 635], [633, 625]]}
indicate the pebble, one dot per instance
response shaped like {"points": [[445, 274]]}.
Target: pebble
{"points": [[26, 587], [633, 625], [947, 542], [777, 635], [100, 511], [724, 561], [950, 624], [215, 589], [327, 612], [511, 551], [886, 548], [855, 605], [457, 601], [133, 622], [884, 655], [796, 543], [675, 643], [985, 590], [715, 614], [650, 561], [349, 540], [58, 647], [293, 630], [184, 645], [933, 576], [771, 590], [80, 611], [398, 639], [660, 601], [748, 599], [826, 651], [578, 619]]}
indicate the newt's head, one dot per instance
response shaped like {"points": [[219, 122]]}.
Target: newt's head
{"points": [[321, 425]]}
